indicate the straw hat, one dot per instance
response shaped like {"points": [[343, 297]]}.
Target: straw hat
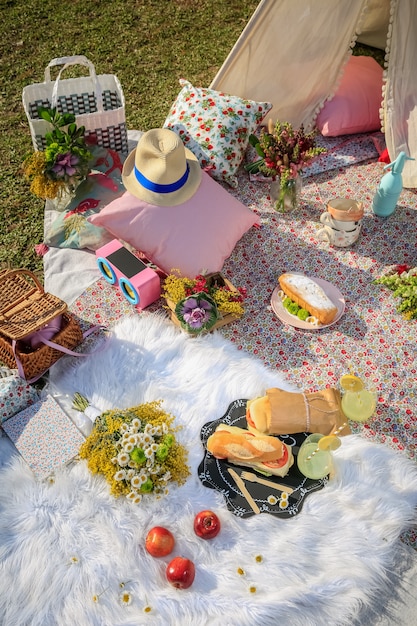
{"points": [[161, 170]]}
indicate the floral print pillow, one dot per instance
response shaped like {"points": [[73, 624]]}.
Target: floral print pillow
{"points": [[215, 127], [103, 185], [15, 393]]}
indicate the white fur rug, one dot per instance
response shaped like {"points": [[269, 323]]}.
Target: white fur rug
{"points": [[65, 542]]}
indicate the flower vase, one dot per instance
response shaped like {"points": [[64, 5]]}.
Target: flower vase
{"points": [[286, 198], [64, 197]]}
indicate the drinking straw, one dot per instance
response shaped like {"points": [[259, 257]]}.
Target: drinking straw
{"points": [[336, 432]]}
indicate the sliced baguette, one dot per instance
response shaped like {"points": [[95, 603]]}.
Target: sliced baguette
{"points": [[309, 295], [259, 452]]}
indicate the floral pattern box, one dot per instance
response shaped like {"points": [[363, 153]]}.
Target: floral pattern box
{"points": [[45, 436]]}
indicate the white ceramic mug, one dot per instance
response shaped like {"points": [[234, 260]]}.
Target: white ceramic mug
{"points": [[337, 232]]}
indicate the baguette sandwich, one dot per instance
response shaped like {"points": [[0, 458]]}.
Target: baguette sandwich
{"points": [[307, 294], [266, 454]]}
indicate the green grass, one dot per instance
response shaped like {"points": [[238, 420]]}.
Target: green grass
{"points": [[148, 44]]}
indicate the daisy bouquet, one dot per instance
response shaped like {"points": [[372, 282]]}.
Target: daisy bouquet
{"points": [[135, 449]]}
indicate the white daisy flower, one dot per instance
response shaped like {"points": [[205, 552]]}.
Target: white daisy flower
{"points": [[154, 447], [130, 473], [120, 475], [137, 499], [128, 447], [124, 428], [125, 598], [123, 458], [149, 453], [136, 423], [136, 482]]}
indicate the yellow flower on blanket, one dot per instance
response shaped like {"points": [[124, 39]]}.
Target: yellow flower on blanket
{"points": [[135, 450]]}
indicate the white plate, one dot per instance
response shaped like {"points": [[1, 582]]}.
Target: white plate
{"points": [[331, 292]]}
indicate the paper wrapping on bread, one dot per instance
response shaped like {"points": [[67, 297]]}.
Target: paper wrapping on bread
{"points": [[260, 452], [282, 412], [308, 295]]}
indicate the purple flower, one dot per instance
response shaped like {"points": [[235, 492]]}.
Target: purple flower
{"points": [[64, 165], [197, 312]]}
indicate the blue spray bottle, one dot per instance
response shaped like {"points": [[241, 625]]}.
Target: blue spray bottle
{"points": [[389, 189]]}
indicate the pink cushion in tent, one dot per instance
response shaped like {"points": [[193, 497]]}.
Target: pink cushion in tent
{"points": [[355, 106], [198, 235]]}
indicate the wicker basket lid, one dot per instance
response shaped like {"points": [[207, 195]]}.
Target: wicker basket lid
{"points": [[24, 305]]}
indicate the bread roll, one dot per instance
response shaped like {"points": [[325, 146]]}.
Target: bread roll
{"points": [[308, 295], [282, 412]]}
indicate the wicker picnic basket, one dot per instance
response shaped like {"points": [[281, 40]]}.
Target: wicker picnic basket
{"points": [[25, 308]]}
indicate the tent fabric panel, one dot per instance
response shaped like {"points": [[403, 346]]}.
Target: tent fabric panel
{"points": [[400, 123], [292, 54]]}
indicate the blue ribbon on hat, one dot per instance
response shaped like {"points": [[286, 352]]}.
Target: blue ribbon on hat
{"points": [[159, 188]]}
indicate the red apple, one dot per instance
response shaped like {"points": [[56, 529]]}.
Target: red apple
{"points": [[180, 572], [206, 525], [159, 541]]}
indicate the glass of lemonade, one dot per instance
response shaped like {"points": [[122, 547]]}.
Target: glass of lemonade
{"points": [[319, 464], [358, 399]]}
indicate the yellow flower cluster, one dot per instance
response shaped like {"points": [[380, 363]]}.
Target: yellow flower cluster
{"points": [[175, 287], [225, 305], [34, 170], [102, 450]]}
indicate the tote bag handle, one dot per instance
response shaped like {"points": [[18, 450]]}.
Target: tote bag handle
{"points": [[78, 59], [56, 346]]}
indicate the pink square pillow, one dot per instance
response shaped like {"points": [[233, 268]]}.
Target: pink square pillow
{"points": [[355, 106], [196, 236]]}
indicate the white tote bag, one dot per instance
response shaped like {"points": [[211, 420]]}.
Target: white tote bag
{"points": [[97, 101]]}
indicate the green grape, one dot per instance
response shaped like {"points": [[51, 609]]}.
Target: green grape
{"points": [[303, 314], [291, 306]]}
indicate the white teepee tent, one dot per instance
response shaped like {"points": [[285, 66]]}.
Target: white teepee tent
{"points": [[293, 52]]}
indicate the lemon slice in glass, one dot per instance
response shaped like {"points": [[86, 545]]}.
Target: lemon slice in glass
{"points": [[349, 382], [329, 442]]}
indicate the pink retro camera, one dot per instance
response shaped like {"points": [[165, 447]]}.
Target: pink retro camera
{"points": [[139, 283]]}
